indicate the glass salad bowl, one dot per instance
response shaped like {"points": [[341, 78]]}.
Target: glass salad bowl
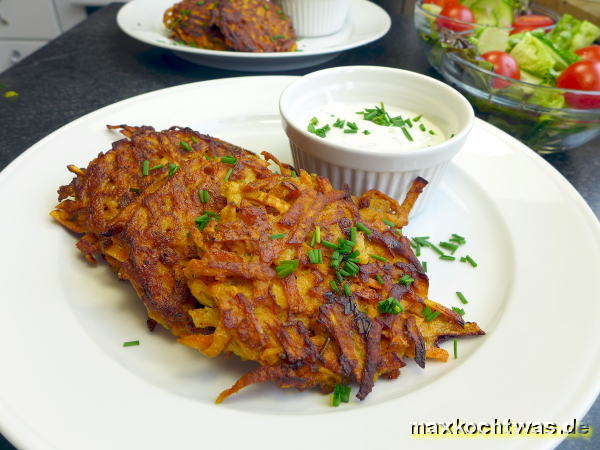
{"points": [[430, 28], [514, 106]]}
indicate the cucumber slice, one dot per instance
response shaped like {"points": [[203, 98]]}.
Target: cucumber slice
{"points": [[530, 78], [492, 39], [497, 13], [433, 9]]}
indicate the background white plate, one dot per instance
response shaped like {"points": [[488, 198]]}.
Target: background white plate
{"points": [[367, 22], [68, 383]]}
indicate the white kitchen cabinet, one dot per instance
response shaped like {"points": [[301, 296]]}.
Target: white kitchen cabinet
{"points": [[12, 51], [28, 19]]}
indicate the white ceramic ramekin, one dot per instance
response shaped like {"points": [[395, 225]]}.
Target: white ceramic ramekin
{"points": [[391, 172], [316, 17]]}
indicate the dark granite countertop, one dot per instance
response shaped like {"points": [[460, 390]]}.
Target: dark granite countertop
{"points": [[95, 64]]}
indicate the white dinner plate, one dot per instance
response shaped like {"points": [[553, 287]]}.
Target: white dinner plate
{"points": [[68, 383], [367, 22]]}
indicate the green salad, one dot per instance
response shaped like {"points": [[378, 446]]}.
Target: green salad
{"points": [[503, 37]]}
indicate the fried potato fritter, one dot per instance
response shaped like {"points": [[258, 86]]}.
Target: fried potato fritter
{"points": [[255, 26], [278, 268], [191, 22], [241, 25]]}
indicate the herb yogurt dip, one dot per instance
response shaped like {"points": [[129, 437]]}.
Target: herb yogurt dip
{"points": [[374, 128]]}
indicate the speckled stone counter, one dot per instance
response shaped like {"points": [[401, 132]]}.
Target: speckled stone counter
{"points": [[95, 64]]}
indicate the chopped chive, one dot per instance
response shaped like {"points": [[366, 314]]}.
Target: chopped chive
{"points": [[379, 279], [329, 244], [336, 262], [353, 234], [285, 268], [345, 393], [366, 132], [277, 236], [339, 276], [352, 125], [406, 280], [447, 257], [334, 286], [354, 254], [435, 249], [335, 399], [266, 7], [423, 241], [422, 127], [315, 256], [462, 298], [194, 140], [172, 169], [388, 223], [379, 258], [347, 290], [458, 310], [448, 246], [294, 174], [418, 250], [429, 315], [407, 134], [344, 273], [341, 393], [156, 167], [432, 132], [390, 306], [208, 157], [424, 264], [416, 119], [277, 36], [470, 261], [409, 123], [145, 168], [350, 131], [204, 195], [318, 234], [131, 343], [229, 159], [455, 348], [459, 237], [352, 267], [185, 146], [204, 220], [339, 123], [363, 228], [229, 172], [313, 239]]}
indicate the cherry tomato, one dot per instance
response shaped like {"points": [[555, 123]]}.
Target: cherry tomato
{"points": [[504, 64], [583, 75], [453, 12], [591, 53], [530, 22], [441, 3]]}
